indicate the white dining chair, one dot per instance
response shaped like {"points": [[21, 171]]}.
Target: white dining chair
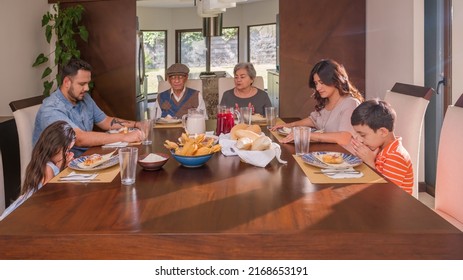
{"points": [[410, 103], [449, 175], [225, 84], [24, 112], [196, 84]]}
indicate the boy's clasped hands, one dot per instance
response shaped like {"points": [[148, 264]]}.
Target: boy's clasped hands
{"points": [[363, 151]]}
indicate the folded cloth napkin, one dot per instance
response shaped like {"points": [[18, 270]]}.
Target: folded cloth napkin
{"points": [[227, 146], [342, 173], [116, 145], [79, 177], [261, 158]]}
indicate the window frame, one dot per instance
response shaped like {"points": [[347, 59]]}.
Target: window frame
{"points": [[249, 38], [166, 49], [178, 51]]}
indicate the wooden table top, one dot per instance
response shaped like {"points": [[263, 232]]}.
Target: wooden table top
{"points": [[226, 209]]}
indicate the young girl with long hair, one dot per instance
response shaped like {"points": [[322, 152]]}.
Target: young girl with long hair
{"points": [[51, 154], [336, 99]]}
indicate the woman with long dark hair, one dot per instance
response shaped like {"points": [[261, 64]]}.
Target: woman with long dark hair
{"points": [[51, 154], [336, 99]]}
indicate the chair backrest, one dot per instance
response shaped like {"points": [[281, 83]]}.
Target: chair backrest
{"points": [[449, 177], [229, 83], [196, 84], [410, 103], [2, 186], [24, 112]]}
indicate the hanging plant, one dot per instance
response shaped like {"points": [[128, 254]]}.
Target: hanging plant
{"points": [[63, 25]]}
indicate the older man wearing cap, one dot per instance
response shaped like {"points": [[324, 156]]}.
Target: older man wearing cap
{"points": [[176, 101]]}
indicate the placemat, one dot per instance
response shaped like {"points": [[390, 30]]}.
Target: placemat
{"points": [[104, 176], [168, 125], [369, 175], [275, 133]]}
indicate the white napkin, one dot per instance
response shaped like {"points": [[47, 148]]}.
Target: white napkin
{"points": [[116, 145], [341, 173], [227, 146], [79, 177], [261, 158]]}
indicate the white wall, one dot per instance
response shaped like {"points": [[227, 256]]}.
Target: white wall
{"points": [[394, 44], [394, 49], [22, 39], [186, 18]]}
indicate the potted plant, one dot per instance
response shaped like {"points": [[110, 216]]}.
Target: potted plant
{"points": [[64, 24]]}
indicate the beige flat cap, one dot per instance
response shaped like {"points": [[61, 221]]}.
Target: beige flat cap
{"points": [[178, 69]]}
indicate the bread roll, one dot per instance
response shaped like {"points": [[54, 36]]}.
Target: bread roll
{"points": [[235, 128], [244, 143], [254, 128], [262, 143], [240, 133]]}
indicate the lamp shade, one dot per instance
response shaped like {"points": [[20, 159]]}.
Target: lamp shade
{"points": [[212, 26]]}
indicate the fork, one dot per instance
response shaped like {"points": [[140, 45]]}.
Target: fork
{"points": [[338, 172], [78, 175]]}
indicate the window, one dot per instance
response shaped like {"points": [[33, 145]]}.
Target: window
{"points": [[155, 47], [191, 50], [262, 48], [224, 50]]}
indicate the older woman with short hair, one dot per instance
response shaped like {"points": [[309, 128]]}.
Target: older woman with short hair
{"points": [[244, 94]]}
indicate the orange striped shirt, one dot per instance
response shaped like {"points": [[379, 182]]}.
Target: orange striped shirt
{"points": [[395, 164]]}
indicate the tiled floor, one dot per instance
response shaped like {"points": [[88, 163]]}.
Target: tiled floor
{"points": [[427, 199]]}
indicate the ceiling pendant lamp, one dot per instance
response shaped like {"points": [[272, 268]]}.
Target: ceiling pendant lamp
{"points": [[212, 26]]}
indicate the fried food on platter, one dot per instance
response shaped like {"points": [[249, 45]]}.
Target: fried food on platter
{"points": [[196, 146]]}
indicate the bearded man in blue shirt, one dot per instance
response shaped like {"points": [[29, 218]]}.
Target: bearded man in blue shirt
{"points": [[72, 103]]}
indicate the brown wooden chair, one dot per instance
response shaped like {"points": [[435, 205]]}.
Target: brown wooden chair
{"points": [[24, 112], [410, 103]]}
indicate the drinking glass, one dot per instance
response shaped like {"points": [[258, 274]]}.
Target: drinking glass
{"points": [[246, 114], [271, 116], [128, 164], [301, 139], [147, 128]]}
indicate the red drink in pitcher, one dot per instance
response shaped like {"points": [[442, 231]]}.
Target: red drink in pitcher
{"points": [[225, 122], [225, 119]]}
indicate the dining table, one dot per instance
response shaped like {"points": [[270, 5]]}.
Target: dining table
{"points": [[226, 209]]}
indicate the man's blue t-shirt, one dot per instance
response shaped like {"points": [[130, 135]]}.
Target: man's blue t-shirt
{"points": [[56, 107]]}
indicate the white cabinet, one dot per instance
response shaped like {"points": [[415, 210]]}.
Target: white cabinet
{"points": [[274, 88]]}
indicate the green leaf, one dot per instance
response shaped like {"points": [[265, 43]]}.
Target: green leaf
{"points": [[83, 33], [45, 19], [46, 72], [47, 87], [66, 58], [62, 24], [40, 59], [48, 32]]}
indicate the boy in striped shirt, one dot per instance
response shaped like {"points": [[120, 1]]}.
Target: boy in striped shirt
{"points": [[376, 144]]}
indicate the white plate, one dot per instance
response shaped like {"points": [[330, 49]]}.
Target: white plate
{"points": [[168, 120], [110, 162], [314, 159], [114, 131], [258, 118], [282, 131]]}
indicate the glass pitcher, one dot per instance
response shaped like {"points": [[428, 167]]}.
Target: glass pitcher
{"points": [[194, 122], [226, 119]]}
